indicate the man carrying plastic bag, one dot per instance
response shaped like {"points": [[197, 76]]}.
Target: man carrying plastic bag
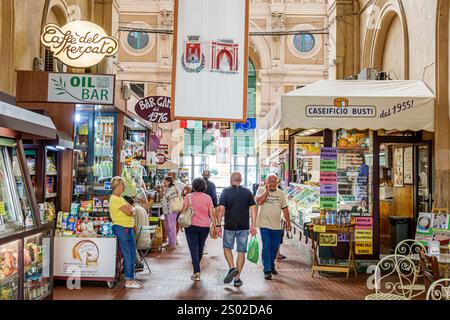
{"points": [[271, 202]]}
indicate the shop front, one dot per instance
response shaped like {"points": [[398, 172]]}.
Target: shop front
{"points": [[381, 133], [26, 238]]}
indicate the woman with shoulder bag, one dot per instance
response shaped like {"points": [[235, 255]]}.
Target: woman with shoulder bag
{"points": [[172, 204], [197, 233]]}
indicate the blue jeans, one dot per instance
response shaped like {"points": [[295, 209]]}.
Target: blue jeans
{"points": [[270, 243], [125, 236], [196, 238], [241, 237]]}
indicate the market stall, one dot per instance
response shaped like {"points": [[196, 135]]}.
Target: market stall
{"points": [[357, 118], [26, 241]]}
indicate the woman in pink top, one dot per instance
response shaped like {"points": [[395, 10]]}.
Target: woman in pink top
{"points": [[197, 233]]}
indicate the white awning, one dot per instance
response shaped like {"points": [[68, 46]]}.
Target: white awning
{"points": [[353, 104]]}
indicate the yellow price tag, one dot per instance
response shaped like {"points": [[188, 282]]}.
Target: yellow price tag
{"points": [[2, 209], [320, 228]]}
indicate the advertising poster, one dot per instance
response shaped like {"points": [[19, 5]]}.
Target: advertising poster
{"points": [[398, 167], [86, 257], [210, 60], [433, 227], [408, 165]]}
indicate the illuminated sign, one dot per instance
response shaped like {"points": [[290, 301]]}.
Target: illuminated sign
{"points": [[79, 44]]}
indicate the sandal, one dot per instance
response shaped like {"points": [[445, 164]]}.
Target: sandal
{"points": [[134, 285], [195, 277]]}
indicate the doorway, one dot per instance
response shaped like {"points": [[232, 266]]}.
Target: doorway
{"points": [[404, 189]]}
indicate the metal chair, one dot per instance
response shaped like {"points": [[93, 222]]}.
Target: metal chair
{"points": [[395, 275], [439, 290], [408, 248], [430, 269], [145, 231]]}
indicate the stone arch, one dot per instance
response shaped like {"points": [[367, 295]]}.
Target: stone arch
{"points": [[57, 12], [388, 13], [441, 164], [259, 49]]}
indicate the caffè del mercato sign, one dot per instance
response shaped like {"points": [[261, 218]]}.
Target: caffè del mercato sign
{"points": [[79, 44]]}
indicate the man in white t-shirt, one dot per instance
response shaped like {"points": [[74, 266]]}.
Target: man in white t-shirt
{"points": [[271, 203], [180, 186]]}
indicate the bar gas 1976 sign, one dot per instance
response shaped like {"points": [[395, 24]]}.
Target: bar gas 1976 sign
{"points": [[79, 44], [154, 109]]}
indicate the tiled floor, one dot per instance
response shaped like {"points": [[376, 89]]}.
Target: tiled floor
{"points": [[171, 270]]}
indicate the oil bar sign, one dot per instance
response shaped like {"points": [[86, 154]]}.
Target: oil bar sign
{"points": [[81, 88]]}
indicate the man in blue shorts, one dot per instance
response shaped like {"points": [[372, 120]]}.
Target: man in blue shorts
{"points": [[236, 202]]}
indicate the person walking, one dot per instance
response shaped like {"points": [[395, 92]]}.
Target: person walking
{"points": [[235, 203], [212, 192], [123, 224], [271, 202], [169, 192], [197, 233]]}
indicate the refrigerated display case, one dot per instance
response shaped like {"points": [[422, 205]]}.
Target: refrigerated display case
{"points": [[94, 153], [304, 202], [21, 226]]}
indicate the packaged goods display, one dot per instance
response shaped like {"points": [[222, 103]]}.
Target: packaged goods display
{"points": [[304, 202], [9, 276], [36, 280], [90, 219]]}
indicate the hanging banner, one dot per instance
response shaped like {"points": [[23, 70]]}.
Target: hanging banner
{"points": [[81, 88], [210, 60], [154, 109]]}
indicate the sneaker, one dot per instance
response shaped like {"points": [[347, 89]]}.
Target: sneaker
{"points": [[230, 276], [267, 275], [195, 277], [281, 257], [237, 283], [274, 271]]}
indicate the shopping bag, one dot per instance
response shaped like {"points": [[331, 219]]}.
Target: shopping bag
{"points": [[253, 250], [185, 218]]}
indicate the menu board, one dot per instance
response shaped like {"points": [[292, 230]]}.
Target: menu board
{"points": [[433, 227], [328, 189]]}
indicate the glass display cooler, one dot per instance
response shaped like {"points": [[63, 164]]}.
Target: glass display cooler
{"points": [[94, 152], [25, 243]]}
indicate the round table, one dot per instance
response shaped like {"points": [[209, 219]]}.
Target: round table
{"points": [[443, 260]]}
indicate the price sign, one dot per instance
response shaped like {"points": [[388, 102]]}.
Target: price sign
{"points": [[2, 209], [319, 228], [328, 240]]}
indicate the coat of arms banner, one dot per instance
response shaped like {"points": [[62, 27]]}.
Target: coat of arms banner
{"points": [[210, 60]]}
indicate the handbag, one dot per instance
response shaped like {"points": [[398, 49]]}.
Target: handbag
{"points": [[176, 204], [185, 218]]}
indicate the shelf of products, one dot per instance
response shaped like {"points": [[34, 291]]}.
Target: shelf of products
{"points": [[9, 271], [304, 202], [94, 156], [90, 219], [37, 267]]}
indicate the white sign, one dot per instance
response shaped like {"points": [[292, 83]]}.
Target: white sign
{"points": [[90, 257], [210, 60], [79, 44], [81, 88]]}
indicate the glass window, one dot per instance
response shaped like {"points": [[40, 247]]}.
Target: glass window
{"points": [[354, 171], [304, 42], [15, 211], [138, 40]]}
